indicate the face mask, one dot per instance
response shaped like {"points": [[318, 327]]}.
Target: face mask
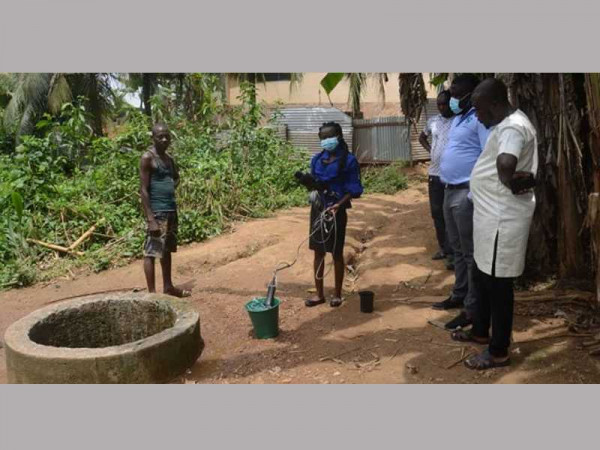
{"points": [[329, 144], [455, 102]]}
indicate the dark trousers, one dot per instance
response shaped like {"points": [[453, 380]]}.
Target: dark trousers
{"points": [[494, 306], [458, 214], [436, 203]]}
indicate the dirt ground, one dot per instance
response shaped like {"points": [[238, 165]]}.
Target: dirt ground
{"points": [[390, 241]]}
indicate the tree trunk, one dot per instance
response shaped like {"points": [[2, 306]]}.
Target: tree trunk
{"points": [[95, 107], [571, 185], [147, 92], [592, 87]]}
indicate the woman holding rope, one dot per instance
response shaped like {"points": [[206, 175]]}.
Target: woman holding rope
{"points": [[337, 173]]}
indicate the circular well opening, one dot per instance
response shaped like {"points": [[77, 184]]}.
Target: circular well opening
{"points": [[105, 323]]}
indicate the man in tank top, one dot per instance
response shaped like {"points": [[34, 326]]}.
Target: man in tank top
{"points": [[159, 178]]}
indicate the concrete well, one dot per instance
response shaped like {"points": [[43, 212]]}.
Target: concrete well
{"points": [[132, 338]]}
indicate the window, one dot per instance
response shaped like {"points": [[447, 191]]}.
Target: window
{"points": [[278, 76]]}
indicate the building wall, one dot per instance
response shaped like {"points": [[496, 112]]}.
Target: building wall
{"points": [[310, 92]]}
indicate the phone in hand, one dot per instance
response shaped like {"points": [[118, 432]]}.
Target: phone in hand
{"points": [[522, 182]]}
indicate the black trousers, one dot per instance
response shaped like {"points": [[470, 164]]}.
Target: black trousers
{"points": [[436, 203], [494, 306]]}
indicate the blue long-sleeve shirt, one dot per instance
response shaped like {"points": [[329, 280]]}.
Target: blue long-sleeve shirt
{"points": [[347, 181]]}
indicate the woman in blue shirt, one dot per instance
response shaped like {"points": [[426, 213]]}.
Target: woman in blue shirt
{"points": [[338, 171]]}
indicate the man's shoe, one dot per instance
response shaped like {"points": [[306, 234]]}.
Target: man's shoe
{"points": [[449, 303], [439, 255], [449, 262], [462, 321]]}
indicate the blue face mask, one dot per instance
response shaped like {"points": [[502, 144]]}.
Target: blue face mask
{"points": [[329, 144], [454, 102]]}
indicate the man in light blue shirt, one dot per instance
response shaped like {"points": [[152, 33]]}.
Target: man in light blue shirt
{"points": [[465, 143]]}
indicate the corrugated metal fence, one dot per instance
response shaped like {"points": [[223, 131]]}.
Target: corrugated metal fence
{"points": [[303, 125], [383, 139], [418, 151]]}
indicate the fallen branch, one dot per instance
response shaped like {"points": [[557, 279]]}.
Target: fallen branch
{"points": [[553, 336], [85, 235], [555, 296], [462, 358], [325, 358], [437, 324], [62, 219], [107, 291], [427, 279], [55, 247]]}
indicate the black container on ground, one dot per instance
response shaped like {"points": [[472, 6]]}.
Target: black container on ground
{"points": [[366, 301]]}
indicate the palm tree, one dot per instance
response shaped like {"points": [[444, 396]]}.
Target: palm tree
{"points": [[357, 83], [413, 95], [37, 93]]}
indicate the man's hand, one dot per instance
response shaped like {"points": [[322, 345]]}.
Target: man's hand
{"points": [[153, 228], [518, 178]]}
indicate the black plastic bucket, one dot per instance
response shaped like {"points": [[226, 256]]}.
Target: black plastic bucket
{"points": [[366, 301]]}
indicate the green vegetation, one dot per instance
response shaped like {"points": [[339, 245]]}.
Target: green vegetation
{"points": [[384, 180], [63, 179], [67, 163]]}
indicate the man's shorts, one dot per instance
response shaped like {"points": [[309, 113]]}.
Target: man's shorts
{"points": [[166, 241]]}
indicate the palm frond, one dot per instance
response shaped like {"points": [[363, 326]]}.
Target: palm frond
{"points": [[29, 101], [357, 84], [380, 79], [296, 79], [413, 95], [59, 93]]}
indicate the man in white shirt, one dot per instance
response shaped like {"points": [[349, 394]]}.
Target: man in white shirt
{"points": [[504, 203], [438, 129]]}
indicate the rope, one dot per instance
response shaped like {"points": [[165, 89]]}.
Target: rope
{"points": [[320, 224]]}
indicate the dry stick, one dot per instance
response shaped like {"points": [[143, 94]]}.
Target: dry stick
{"points": [[553, 336], [55, 247], [594, 352], [590, 343], [107, 291], [555, 297], [62, 219], [85, 235], [462, 358], [427, 279], [325, 358], [437, 324]]}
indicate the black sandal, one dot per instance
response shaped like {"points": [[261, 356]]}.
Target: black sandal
{"points": [[310, 303], [485, 361], [335, 302], [467, 336]]}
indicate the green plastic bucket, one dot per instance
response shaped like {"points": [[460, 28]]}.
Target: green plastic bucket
{"points": [[265, 323]]}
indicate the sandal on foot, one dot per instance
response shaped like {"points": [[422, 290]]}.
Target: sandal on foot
{"points": [[467, 336], [485, 361], [310, 303], [179, 293], [335, 302]]}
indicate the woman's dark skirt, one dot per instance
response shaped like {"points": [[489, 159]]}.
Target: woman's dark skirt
{"points": [[328, 239]]}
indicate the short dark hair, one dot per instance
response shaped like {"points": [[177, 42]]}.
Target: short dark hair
{"points": [[444, 95], [159, 126], [494, 89], [467, 80]]}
